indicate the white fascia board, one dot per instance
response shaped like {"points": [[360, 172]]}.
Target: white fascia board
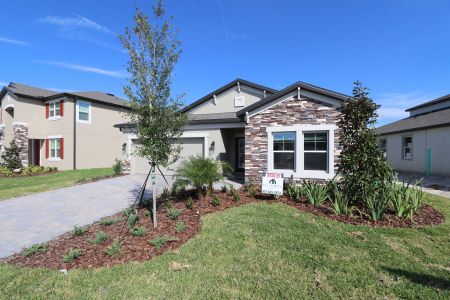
{"points": [[214, 126]]}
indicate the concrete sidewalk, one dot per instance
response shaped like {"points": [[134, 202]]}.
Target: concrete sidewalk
{"points": [[436, 185]]}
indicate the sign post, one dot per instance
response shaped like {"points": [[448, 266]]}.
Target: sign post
{"points": [[272, 183]]}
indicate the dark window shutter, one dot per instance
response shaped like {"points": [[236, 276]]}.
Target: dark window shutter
{"points": [[47, 110], [61, 108], [47, 146], [61, 148]]}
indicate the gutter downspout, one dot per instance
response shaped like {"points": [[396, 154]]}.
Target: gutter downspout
{"points": [[75, 133]]}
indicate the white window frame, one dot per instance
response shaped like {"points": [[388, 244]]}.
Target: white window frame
{"points": [[50, 103], [284, 151], [315, 151], [78, 112], [404, 147], [299, 171], [50, 139]]}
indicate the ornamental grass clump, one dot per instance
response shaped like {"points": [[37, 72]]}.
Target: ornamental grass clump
{"points": [[180, 226], [72, 255], [77, 231], [215, 201], [138, 231], [132, 220], [100, 237], [294, 191], [315, 193], [378, 202], [159, 241], [115, 248], [38, 248], [189, 203], [174, 213], [338, 199]]}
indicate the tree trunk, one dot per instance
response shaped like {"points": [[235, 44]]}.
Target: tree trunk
{"points": [[154, 194]]}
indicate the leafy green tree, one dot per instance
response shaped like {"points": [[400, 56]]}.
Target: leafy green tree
{"points": [[11, 157], [154, 51], [362, 165]]}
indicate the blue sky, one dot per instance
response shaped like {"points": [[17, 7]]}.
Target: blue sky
{"points": [[399, 49]]}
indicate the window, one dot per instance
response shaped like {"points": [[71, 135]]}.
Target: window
{"points": [[284, 150], [54, 109], [315, 151], [383, 147], [239, 101], [55, 148], [83, 112], [407, 147]]}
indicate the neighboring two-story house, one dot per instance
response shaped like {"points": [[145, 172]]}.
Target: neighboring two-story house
{"points": [[67, 130], [419, 143], [258, 129]]}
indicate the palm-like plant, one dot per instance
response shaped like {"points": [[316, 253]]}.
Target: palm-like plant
{"points": [[201, 173]]}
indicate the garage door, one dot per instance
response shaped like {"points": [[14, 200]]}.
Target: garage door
{"points": [[189, 147]]}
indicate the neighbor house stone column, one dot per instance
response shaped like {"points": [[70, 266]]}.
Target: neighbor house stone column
{"points": [[20, 131], [2, 138]]}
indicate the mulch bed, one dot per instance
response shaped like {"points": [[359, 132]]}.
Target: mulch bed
{"points": [[19, 175], [138, 249]]}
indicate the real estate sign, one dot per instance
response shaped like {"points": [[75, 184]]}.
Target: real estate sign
{"points": [[272, 183]]}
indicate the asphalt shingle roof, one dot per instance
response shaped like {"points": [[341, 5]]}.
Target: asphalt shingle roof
{"points": [[440, 118]]}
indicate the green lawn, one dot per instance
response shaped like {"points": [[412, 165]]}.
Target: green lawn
{"points": [[267, 251], [19, 186]]}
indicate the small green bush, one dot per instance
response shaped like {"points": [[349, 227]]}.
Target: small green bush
{"points": [[236, 197], [159, 241], [108, 222], [148, 213], [128, 211], [77, 231], [378, 202], [38, 248], [6, 172], [174, 213], [189, 203], [26, 171], [293, 191], [10, 158], [47, 170], [338, 199], [180, 226], [250, 189], [118, 167], [72, 255], [100, 237], [315, 193], [138, 231], [165, 193], [215, 201], [417, 195], [167, 204], [115, 248], [132, 220]]}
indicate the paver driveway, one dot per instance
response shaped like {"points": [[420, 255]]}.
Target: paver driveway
{"points": [[37, 218]]}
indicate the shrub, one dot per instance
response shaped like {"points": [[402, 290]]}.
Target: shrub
{"points": [[76, 231], [224, 188], [138, 231], [47, 170], [72, 255], [294, 191], [378, 202], [174, 213], [115, 248], [337, 198], [100, 237], [128, 211], [108, 222], [417, 195], [189, 203], [148, 213], [118, 167], [401, 200], [250, 189], [201, 172], [180, 226], [26, 171], [10, 157], [362, 164], [6, 172], [215, 201], [38, 248], [132, 220], [236, 197], [167, 204], [165, 193], [315, 193], [159, 241]]}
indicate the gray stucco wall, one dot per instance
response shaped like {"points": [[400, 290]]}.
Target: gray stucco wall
{"points": [[438, 139]]}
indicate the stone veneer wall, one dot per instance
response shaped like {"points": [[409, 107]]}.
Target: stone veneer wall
{"points": [[287, 113], [20, 131]]}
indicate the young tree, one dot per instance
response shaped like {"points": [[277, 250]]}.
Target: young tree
{"points": [[154, 51], [11, 157], [362, 165]]}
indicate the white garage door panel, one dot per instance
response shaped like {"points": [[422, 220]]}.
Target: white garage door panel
{"points": [[189, 147]]}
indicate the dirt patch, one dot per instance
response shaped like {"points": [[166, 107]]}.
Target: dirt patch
{"points": [[136, 248]]}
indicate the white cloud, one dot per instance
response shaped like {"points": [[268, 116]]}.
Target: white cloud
{"points": [[227, 33], [88, 69], [12, 41], [75, 22]]}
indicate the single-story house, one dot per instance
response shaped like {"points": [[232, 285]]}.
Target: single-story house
{"points": [[419, 143], [67, 130], [258, 129]]}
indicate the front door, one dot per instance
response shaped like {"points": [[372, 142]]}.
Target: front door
{"points": [[37, 152], [240, 154]]}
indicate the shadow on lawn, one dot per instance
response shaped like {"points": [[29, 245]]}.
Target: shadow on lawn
{"points": [[423, 279]]}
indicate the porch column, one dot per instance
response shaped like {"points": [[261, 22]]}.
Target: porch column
{"points": [[20, 137]]}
